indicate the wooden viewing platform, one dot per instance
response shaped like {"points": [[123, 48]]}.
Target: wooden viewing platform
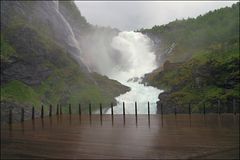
{"points": [[161, 136]]}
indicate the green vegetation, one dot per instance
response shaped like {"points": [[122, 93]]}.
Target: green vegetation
{"points": [[208, 49], [16, 91], [215, 29], [37, 69], [66, 84]]}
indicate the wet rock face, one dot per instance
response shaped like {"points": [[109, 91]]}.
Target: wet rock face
{"points": [[45, 17], [165, 102], [168, 105], [28, 64], [29, 73]]}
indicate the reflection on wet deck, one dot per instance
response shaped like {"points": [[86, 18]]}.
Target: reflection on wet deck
{"points": [[167, 136]]}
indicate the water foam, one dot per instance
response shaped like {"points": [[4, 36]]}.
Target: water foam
{"points": [[137, 59]]}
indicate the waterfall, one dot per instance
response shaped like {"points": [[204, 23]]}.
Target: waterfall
{"points": [[137, 59]]}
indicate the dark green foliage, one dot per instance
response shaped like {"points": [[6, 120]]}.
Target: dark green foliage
{"points": [[211, 70], [219, 27]]}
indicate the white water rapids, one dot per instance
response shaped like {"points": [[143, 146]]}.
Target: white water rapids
{"points": [[137, 59]]}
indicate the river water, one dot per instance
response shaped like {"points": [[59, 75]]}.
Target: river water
{"points": [[140, 94]]}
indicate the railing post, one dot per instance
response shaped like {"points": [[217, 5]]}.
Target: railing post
{"points": [[189, 108], [124, 113], [60, 109], [50, 110], [204, 108], [42, 112], [90, 113], [70, 109], [112, 112], [112, 109], [123, 109], [161, 109], [57, 112], [79, 109], [22, 114], [101, 109], [136, 109], [148, 114], [148, 109], [101, 112], [10, 116], [234, 106], [33, 112], [90, 109], [136, 113], [219, 104], [175, 110]]}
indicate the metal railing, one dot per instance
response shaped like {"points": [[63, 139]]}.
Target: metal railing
{"points": [[161, 109]]}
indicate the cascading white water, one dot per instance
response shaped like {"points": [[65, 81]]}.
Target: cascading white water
{"points": [[138, 59]]}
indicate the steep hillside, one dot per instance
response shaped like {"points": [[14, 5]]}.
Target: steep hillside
{"points": [[40, 60], [199, 59], [180, 39]]}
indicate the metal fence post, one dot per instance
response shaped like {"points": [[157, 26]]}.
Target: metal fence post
{"points": [[124, 113], [234, 107], [60, 109], [175, 110], [100, 109], [42, 112], [148, 109], [161, 109], [10, 116], [22, 114], [112, 109], [219, 107], [136, 113], [33, 112], [90, 109], [79, 109], [148, 114], [112, 112], [70, 109], [57, 113], [101, 113], [189, 108], [50, 110], [90, 113], [136, 109], [204, 108], [123, 109]]}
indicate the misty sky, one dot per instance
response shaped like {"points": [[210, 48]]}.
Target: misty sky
{"points": [[135, 15]]}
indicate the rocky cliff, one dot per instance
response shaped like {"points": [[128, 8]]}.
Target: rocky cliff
{"points": [[42, 59]]}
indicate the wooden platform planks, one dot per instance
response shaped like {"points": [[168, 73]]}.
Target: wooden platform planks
{"points": [[170, 136]]}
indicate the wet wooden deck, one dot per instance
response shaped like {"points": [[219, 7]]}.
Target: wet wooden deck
{"points": [[164, 137]]}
